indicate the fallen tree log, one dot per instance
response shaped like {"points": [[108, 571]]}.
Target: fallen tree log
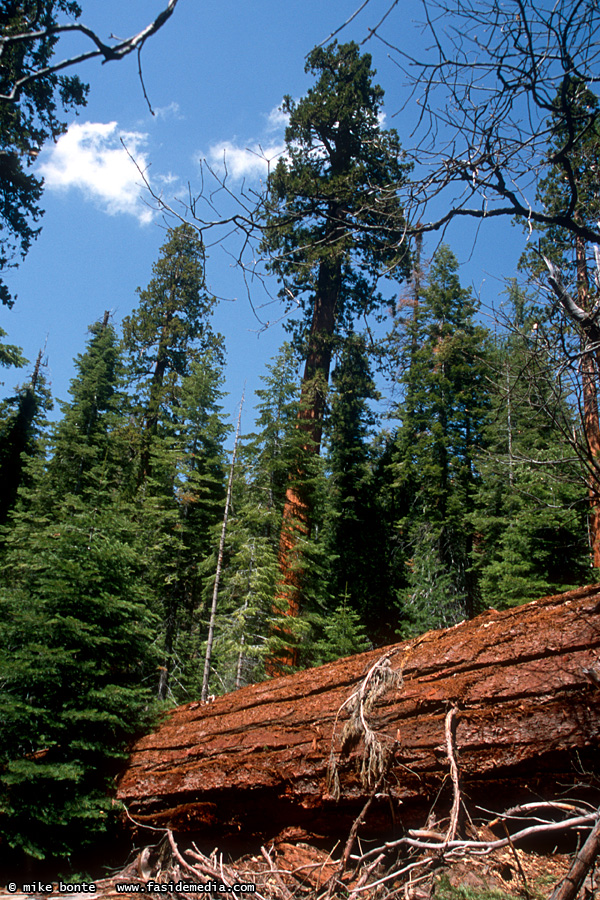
{"points": [[525, 685]]}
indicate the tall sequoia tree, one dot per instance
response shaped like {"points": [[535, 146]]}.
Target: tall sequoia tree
{"points": [[334, 226]]}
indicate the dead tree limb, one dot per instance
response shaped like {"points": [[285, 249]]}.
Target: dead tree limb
{"points": [[107, 52], [569, 888]]}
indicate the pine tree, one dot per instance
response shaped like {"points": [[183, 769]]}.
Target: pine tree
{"points": [[175, 375], [77, 647], [344, 634], [22, 420], [574, 267], [355, 539], [248, 584], [167, 333], [443, 416], [10, 354], [253, 625], [80, 440], [530, 504]]}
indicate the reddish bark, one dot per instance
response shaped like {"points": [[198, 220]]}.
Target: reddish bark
{"points": [[313, 395], [591, 420], [295, 520], [255, 761]]}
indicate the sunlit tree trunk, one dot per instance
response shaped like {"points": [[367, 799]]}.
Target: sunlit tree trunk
{"points": [[313, 398], [589, 380]]}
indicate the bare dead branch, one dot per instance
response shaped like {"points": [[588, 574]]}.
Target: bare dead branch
{"points": [[449, 732], [486, 88], [108, 52], [569, 888]]}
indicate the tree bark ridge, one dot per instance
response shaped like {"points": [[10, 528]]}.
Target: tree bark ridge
{"points": [[255, 761]]}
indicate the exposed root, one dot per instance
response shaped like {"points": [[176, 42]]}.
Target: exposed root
{"points": [[380, 679]]}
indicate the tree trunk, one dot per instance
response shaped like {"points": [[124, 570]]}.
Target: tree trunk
{"points": [[215, 594], [296, 512], [255, 761], [589, 378]]}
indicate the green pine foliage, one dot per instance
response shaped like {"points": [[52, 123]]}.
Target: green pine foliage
{"points": [[334, 232], [85, 436], [74, 667], [174, 376], [22, 424], [10, 354], [77, 647], [443, 416], [355, 536], [31, 120], [343, 635], [248, 587], [531, 505], [331, 216]]}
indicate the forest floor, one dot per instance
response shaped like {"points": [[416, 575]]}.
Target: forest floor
{"points": [[294, 870]]}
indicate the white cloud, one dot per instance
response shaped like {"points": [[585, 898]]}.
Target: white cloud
{"points": [[253, 159], [167, 112], [244, 162], [91, 158], [277, 119]]}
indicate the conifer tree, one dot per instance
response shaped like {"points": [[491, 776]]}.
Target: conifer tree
{"points": [[91, 417], [344, 634], [355, 539], [572, 183], [30, 118], [10, 354], [443, 415], [530, 504], [253, 626], [77, 647], [22, 419], [175, 376], [334, 225]]}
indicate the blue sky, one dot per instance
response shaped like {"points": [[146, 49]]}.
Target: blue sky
{"points": [[215, 75]]}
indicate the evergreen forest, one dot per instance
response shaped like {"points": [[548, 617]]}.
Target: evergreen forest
{"points": [[413, 460]]}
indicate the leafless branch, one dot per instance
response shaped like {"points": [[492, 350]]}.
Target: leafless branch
{"points": [[107, 52], [485, 89]]}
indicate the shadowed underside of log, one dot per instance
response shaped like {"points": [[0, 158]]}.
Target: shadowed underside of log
{"points": [[255, 761]]}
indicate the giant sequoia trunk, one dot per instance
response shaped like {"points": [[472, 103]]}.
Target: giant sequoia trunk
{"points": [[297, 513], [254, 762]]}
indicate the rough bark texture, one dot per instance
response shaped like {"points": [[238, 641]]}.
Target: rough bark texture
{"points": [[254, 762]]}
